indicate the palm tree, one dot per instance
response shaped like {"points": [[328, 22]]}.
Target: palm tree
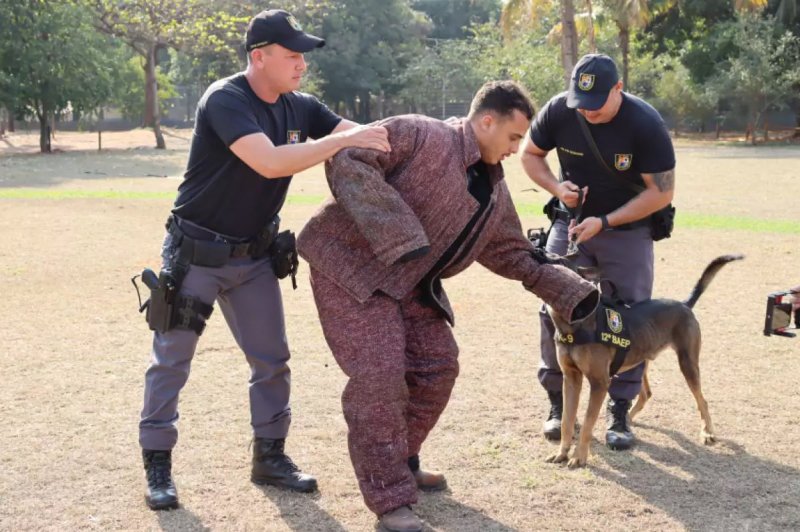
{"points": [[527, 13], [749, 5], [787, 11], [628, 15]]}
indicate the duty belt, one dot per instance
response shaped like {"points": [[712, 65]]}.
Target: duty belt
{"points": [[204, 247]]}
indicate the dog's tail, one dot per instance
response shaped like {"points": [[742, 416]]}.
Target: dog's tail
{"points": [[708, 275]]}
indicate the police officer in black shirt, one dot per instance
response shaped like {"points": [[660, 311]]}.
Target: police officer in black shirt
{"points": [[613, 229], [250, 136]]}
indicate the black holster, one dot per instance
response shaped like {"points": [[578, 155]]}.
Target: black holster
{"points": [[167, 309], [261, 245], [161, 305]]}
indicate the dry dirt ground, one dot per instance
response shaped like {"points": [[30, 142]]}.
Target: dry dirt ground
{"points": [[77, 225]]}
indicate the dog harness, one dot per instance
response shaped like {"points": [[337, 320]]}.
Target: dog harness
{"points": [[611, 330]]}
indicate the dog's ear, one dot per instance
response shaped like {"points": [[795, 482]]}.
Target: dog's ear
{"points": [[590, 273]]}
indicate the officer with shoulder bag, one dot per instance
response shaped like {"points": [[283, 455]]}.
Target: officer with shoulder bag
{"points": [[223, 244], [617, 179]]}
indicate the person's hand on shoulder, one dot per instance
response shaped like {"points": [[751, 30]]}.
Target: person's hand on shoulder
{"points": [[367, 136]]}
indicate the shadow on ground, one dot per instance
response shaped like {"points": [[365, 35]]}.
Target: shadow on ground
{"points": [[719, 488], [181, 519], [441, 512], [301, 511]]}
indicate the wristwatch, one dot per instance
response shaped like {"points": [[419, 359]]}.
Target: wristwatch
{"points": [[604, 221]]}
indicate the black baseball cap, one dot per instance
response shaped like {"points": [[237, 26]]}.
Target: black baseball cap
{"points": [[592, 79], [276, 26]]}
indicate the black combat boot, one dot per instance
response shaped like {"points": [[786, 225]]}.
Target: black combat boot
{"points": [[271, 466], [619, 436], [552, 427], [161, 493]]}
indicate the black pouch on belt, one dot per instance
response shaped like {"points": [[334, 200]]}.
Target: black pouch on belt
{"points": [[662, 222], [283, 254]]}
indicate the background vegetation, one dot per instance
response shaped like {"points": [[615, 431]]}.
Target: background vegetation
{"points": [[704, 64]]}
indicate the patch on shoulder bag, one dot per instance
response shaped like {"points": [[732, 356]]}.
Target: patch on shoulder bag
{"points": [[292, 136], [622, 161]]}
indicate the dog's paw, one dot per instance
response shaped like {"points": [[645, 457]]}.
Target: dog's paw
{"points": [[576, 462], [708, 438], [556, 458]]}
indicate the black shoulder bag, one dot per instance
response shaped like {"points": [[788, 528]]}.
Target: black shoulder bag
{"points": [[661, 221]]}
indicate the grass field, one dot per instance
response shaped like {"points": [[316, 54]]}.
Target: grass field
{"points": [[77, 225]]}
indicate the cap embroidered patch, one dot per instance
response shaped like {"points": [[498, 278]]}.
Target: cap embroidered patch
{"points": [[293, 23], [586, 82]]}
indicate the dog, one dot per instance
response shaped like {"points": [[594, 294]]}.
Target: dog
{"points": [[652, 326]]}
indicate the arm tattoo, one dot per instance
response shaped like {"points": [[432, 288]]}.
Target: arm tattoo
{"points": [[665, 180]]}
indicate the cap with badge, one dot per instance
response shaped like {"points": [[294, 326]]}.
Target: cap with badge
{"points": [[276, 26], [592, 79]]}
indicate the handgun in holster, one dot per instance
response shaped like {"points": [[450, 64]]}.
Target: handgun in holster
{"points": [[166, 309], [159, 307]]}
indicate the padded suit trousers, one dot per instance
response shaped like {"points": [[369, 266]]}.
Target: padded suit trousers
{"points": [[401, 361]]}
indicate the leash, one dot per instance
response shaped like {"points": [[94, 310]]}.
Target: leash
{"points": [[575, 213]]}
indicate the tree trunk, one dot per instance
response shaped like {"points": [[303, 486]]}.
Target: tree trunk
{"points": [[756, 119], [569, 39], [796, 120], [624, 46], [592, 42], [44, 132], [150, 86], [12, 127], [152, 116], [366, 110]]}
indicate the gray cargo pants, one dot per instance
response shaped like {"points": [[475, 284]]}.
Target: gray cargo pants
{"points": [[626, 259], [250, 299]]}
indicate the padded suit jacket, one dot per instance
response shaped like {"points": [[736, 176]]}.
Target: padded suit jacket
{"points": [[386, 205]]}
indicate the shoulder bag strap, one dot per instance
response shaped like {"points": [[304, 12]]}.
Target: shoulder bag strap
{"points": [[596, 152]]}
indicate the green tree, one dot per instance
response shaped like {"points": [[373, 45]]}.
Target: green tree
{"points": [[128, 94], [675, 93], [369, 45], [149, 28], [764, 70], [52, 61], [452, 18], [629, 16], [528, 13]]}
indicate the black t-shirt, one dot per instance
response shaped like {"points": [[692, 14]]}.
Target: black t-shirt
{"points": [[219, 191], [636, 141]]}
